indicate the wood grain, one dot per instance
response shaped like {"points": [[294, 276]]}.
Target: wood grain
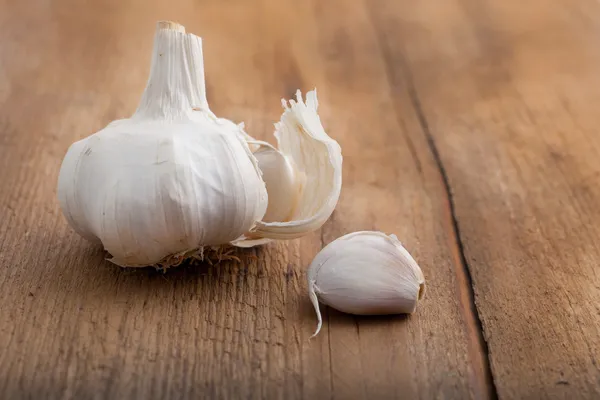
{"points": [[76, 326], [509, 93], [468, 128]]}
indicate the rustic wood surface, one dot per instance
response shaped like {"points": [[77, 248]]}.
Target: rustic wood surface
{"points": [[469, 128]]}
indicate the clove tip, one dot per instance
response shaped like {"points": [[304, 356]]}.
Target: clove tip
{"points": [[421, 291]]}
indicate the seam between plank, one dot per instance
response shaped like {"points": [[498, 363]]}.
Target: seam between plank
{"points": [[463, 271], [456, 235], [322, 239]]}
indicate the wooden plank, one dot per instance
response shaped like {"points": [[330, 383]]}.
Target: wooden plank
{"points": [[509, 93], [74, 326]]}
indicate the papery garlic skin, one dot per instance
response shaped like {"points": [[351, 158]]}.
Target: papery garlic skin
{"points": [[318, 162], [308, 163], [365, 273], [170, 179]]}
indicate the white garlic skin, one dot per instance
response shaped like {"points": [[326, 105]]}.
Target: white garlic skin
{"points": [[365, 273], [172, 178]]}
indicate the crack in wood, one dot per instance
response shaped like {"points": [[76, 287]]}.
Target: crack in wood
{"points": [[470, 312], [462, 261], [322, 240]]}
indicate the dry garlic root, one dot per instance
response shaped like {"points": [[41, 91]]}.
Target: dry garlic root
{"points": [[174, 179], [365, 273]]}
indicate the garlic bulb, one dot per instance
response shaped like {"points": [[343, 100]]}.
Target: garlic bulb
{"points": [[174, 178], [365, 273]]}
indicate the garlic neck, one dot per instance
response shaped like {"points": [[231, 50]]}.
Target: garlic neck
{"points": [[176, 83]]}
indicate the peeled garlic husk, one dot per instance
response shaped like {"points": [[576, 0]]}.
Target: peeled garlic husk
{"points": [[308, 163], [174, 178], [365, 273]]}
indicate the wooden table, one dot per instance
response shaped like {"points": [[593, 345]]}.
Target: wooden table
{"points": [[470, 128]]}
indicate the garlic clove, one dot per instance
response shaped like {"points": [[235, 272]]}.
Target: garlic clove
{"points": [[279, 176], [365, 273], [280, 180], [303, 176]]}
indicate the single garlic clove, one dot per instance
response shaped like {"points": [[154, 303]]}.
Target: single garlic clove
{"points": [[365, 273], [282, 186], [280, 180], [305, 173]]}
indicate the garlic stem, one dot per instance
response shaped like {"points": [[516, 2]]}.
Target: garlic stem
{"points": [[176, 83], [195, 62]]}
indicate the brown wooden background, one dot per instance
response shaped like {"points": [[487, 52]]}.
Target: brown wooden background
{"points": [[470, 128]]}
